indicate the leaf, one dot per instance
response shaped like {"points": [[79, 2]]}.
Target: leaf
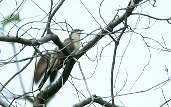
{"points": [[11, 18], [29, 99]]}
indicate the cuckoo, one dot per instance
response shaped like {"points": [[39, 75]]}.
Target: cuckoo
{"points": [[53, 61]]}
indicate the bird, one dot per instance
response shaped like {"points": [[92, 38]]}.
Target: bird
{"points": [[53, 61]]}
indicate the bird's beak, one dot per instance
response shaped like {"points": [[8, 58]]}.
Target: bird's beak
{"points": [[81, 30]]}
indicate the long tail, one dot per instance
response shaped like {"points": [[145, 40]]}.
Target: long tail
{"points": [[41, 68]]}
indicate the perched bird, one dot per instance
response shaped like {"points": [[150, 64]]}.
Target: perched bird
{"points": [[53, 61]]}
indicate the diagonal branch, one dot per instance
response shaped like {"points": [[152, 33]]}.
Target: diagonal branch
{"points": [[54, 88], [16, 74], [53, 13], [109, 27]]}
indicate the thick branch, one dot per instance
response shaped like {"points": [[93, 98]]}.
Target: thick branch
{"points": [[30, 42], [3, 103], [54, 88], [96, 99], [44, 95], [109, 27]]}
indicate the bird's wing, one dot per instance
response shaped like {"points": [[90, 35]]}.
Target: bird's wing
{"points": [[55, 62], [41, 68], [68, 43]]}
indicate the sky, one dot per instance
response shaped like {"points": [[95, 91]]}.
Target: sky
{"points": [[132, 46]]}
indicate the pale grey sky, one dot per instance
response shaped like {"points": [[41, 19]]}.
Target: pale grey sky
{"points": [[135, 58]]}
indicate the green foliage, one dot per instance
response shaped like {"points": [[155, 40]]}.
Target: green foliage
{"points": [[29, 99], [11, 18]]}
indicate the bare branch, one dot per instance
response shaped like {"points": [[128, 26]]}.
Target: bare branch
{"points": [[54, 88], [3, 103], [15, 75], [44, 95], [85, 82], [164, 97], [29, 42], [53, 13], [146, 90], [109, 28], [97, 99], [166, 102], [152, 17]]}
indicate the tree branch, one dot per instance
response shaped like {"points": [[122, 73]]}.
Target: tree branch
{"points": [[97, 99], [54, 88], [109, 27], [29, 42], [4, 104], [53, 13]]}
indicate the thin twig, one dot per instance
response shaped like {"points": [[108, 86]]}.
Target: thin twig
{"points": [[54, 88], [164, 97], [18, 68], [85, 82], [15, 75]]}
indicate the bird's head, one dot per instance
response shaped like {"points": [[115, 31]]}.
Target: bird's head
{"points": [[75, 37], [75, 34], [77, 31]]}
